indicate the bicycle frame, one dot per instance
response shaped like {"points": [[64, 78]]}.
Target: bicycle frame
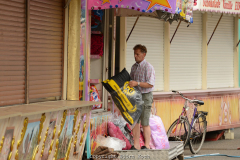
{"points": [[183, 114]]}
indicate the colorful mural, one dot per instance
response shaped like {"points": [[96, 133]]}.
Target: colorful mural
{"points": [[223, 110]]}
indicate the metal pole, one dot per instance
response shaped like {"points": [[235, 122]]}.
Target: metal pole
{"points": [[132, 28], [215, 29], [238, 43], [175, 31]]}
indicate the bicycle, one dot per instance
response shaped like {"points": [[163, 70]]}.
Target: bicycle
{"points": [[193, 133]]}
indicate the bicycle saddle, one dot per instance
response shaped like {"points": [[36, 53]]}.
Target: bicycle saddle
{"points": [[198, 102]]}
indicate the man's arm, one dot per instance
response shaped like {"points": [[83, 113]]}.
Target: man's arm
{"points": [[142, 84]]}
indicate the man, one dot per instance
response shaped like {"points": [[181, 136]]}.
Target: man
{"points": [[143, 77]]}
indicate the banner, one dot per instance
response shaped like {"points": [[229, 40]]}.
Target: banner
{"points": [[222, 6], [148, 6]]}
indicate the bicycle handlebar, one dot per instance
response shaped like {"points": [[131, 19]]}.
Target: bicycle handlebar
{"points": [[191, 101]]}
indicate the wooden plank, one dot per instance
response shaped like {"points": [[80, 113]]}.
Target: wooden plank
{"points": [[12, 8], [46, 46], [11, 58], [46, 15], [46, 28], [44, 91], [11, 68], [46, 41], [17, 82], [11, 102], [12, 48], [45, 95], [37, 54], [46, 10], [13, 34], [49, 72], [12, 93], [4, 38], [46, 33], [4, 28], [11, 13], [45, 86], [12, 88], [12, 78], [53, 3], [41, 82], [12, 73], [14, 4], [12, 43], [12, 63], [45, 68], [13, 19], [45, 23], [47, 19], [50, 7], [44, 50], [44, 77], [45, 63]]}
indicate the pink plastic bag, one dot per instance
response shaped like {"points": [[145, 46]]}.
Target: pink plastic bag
{"points": [[114, 131], [158, 133]]}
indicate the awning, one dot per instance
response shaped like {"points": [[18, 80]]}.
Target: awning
{"points": [[162, 9], [221, 6]]}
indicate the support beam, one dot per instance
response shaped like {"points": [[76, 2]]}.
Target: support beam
{"points": [[166, 56], [65, 57], [236, 54], [27, 52], [123, 43], [132, 28], [175, 31], [204, 51], [73, 50], [215, 29]]}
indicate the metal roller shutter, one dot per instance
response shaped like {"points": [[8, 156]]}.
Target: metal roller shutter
{"points": [[220, 52], [46, 49], [149, 32], [12, 52], [185, 55]]}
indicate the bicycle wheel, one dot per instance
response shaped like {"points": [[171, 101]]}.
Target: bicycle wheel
{"points": [[179, 131], [198, 133]]}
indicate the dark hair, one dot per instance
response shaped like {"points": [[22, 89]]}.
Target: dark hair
{"points": [[142, 48]]}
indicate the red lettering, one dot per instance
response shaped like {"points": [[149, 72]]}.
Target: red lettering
{"points": [[237, 5], [227, 5], [210, 3]]}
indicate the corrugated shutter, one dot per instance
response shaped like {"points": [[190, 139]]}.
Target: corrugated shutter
{"points": [[148, 32], [12, 52], [46, 49], [185, 55], [220, 52]]}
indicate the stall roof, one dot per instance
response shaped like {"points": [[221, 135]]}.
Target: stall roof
{"points": [[163, 9]]}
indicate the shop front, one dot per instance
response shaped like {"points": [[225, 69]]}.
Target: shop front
{"points": [[201, 61]]}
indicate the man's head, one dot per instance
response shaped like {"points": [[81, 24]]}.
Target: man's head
{"points": [[140, 52]]}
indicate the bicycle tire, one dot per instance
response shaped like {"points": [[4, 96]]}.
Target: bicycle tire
{"points": [[184, 137], [197, 138]]}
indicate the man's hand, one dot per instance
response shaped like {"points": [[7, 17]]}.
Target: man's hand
{"points": [[133, 84]]}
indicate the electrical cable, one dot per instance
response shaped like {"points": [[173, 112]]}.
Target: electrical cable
{"points": [[205, 155]]}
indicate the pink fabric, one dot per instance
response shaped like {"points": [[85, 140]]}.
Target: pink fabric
{"points": [[158, 133], [141, 139], [143, 72], [114, 131]]}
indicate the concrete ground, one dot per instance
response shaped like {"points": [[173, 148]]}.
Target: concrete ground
{"points": [[223, 146]]}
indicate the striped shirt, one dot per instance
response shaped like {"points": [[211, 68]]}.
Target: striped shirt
{"points": [[143, 72]]}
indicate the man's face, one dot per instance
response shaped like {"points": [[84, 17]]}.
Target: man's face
{"points": [[139, 56]]}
